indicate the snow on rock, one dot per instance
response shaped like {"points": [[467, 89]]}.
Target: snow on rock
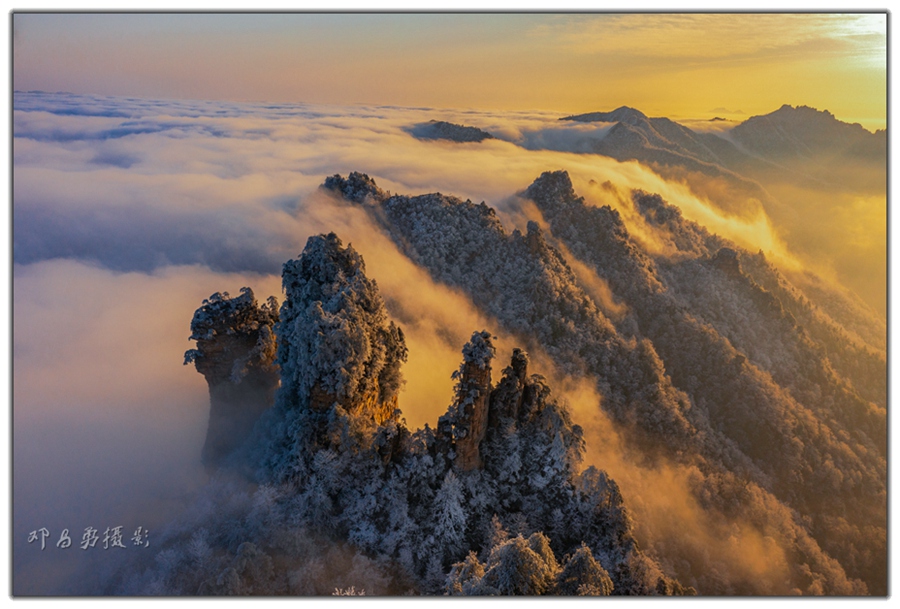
{"points": [[236, 354], [336, 346]]}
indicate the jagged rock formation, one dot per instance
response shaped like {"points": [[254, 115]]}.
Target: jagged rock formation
{"points": [[468, 423], [765, 417], [336, 346], [236, 354], [503, 465], [442, 130], [526, 284]]}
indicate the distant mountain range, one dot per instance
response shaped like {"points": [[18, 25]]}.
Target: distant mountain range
{"points": [[796, 140], [809, 172], [791, 142]]}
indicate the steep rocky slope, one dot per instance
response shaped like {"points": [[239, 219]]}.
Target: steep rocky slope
{"points": [[236, 354], [707, 368], [493, 500], [717, 367]]}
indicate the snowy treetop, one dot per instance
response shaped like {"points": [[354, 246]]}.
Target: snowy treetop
{"points": [[334, 335]]}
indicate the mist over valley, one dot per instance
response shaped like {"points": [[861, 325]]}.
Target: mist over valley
{"points": [[447, 351]]}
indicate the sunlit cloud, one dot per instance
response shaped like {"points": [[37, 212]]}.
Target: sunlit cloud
{"points": [[129, 212], [716, 37], [665, 64]]}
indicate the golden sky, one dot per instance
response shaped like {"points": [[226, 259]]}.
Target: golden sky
{"points": [[676, 65]]}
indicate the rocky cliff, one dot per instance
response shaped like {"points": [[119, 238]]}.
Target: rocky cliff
{"points": [[502, 465], [759, 405], [236, 354]]}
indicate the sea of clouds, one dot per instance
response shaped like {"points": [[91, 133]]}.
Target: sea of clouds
{"points": [[127, 213]]}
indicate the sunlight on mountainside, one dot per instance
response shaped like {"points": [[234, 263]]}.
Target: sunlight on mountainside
{"points": [[462, 304]]}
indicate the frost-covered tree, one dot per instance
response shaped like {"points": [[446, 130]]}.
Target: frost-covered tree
{"points": [[450, 517], [513, 568], [582, 575]]}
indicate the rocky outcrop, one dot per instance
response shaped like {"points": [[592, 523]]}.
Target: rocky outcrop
{"points": [[442, 130], [507, 399], [465, 425], [335, 454], [358, 187], [236, 354], [336, 346]]}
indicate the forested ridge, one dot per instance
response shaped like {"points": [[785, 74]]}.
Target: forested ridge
{"points": [[719, 365]]}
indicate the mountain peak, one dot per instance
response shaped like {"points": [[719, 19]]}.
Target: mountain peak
{"points": [[551, 185], [805, 111], [358, 187], [800, 131], [336, 345], [443, 130], [622, 114]]}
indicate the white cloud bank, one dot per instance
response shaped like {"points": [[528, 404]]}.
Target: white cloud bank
{"points": [[127, 213]]}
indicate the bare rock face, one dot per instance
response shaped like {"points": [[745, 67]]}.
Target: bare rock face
{"points": [[336, 346], [236, 354], [481, 411], [507, 397]]}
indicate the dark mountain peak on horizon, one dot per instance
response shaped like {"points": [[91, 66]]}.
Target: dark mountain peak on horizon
{"points": [[443, 130], [622, 114], [804, 107], [787, 112], [803, 113], [804, 131]]}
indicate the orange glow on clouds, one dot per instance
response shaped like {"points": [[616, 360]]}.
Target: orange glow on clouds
{"points": [[677, 65]]}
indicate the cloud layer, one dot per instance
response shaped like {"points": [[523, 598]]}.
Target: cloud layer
{"points": [[128, 212], [667, 64]]}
